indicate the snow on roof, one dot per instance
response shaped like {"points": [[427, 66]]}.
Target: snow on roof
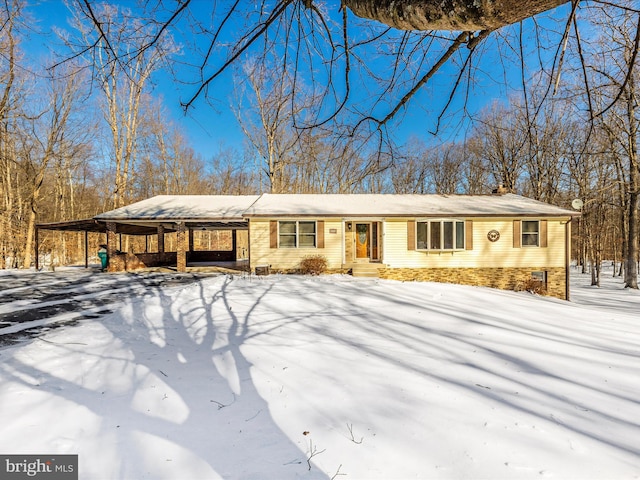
{"points": [[237, 207], [184, 207], [400, 205]]}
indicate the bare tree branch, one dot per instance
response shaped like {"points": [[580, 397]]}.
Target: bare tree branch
{"points": [[258, 33], [631, 65]]}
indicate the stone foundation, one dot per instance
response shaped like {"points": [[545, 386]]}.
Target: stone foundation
{"points": [[502, 278]]}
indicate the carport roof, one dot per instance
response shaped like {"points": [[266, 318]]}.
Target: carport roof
{"points": [[194, 208]]}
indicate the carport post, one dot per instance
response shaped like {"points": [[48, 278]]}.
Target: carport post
{"points": [[161, 242], [181, 260], [111, 239], [37, 243], [234, 243]]}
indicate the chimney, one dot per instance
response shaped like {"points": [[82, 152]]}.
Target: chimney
{"points": [[501, 190]]}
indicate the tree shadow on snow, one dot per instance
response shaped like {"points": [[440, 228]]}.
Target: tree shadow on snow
{"points": [[173, 400]]}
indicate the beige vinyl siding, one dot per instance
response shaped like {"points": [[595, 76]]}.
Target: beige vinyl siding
{"points": [[484, 253], [289, 258]]}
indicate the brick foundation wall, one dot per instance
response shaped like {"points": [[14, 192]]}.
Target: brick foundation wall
{"points": [[121, 262], [502, 278]]}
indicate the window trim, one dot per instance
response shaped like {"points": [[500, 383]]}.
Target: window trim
{"points": [[459, 242], [296, 235]]}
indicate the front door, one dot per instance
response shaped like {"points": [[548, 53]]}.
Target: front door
{"points": [[362, 240]]}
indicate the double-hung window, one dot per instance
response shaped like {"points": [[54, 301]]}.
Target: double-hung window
{"points": [[297, 234], [530, 233], [440, 235]]}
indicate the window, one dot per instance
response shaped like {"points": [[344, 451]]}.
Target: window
{"points": [[540, 276], [530, 233], [296, 234], [440, 235]]}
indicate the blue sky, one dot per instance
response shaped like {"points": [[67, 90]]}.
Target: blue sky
{"points": [[211, 125]]}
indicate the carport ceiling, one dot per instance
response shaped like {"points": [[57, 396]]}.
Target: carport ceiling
{"points": [[96, 226], [218, 225]]}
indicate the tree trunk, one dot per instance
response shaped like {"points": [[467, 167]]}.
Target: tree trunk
{"points": [[631, 270], [31, 228], [452, 15], [631, 267]]}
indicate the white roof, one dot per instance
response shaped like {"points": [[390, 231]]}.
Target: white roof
{"points": [[390, 205], [184, 207], [238, 207]]}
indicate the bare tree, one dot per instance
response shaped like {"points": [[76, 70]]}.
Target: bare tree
{"points": [[122, 83], [332, 47], [48, 134], [267, 123], [445, 167], [616, 80], [502, 145], [476, 170], [232, 173], [543, 125], [10, 206], [166, 165]]}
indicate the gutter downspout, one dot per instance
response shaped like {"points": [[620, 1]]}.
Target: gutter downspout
{"points": [[567, 257], [249, 243]]}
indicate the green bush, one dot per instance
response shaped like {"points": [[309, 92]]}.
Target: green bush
{"points": [[313, 265]]}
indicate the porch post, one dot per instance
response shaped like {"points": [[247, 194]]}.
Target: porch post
{"points": [[181, 262], [86, 249], [190, 240]]}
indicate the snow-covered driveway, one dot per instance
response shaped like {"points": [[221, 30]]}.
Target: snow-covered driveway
{"points": [[32, 303]]}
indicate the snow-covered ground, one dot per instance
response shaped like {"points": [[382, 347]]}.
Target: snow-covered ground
{"points": [[287, 377]]}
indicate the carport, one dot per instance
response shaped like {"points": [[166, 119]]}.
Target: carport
{"points": [[163, 214], [88, 225]]}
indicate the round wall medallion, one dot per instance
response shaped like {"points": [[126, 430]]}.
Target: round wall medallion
{"points": [[493, 235]]}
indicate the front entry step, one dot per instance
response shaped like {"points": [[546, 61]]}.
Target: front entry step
{"points": [[366, 269]]}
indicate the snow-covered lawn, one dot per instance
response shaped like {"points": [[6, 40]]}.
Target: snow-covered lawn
{"points": [[287, 377]]}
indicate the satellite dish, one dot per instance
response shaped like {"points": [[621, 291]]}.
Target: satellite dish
{"points": [[577, 204]]}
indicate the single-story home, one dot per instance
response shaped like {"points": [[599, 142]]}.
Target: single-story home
{"points": [[497, 240]]}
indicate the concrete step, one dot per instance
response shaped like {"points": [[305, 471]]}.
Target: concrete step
{"points": [[365, 269]]}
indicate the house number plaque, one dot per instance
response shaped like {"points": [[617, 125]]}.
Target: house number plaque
{"points": [[493, 235]]}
